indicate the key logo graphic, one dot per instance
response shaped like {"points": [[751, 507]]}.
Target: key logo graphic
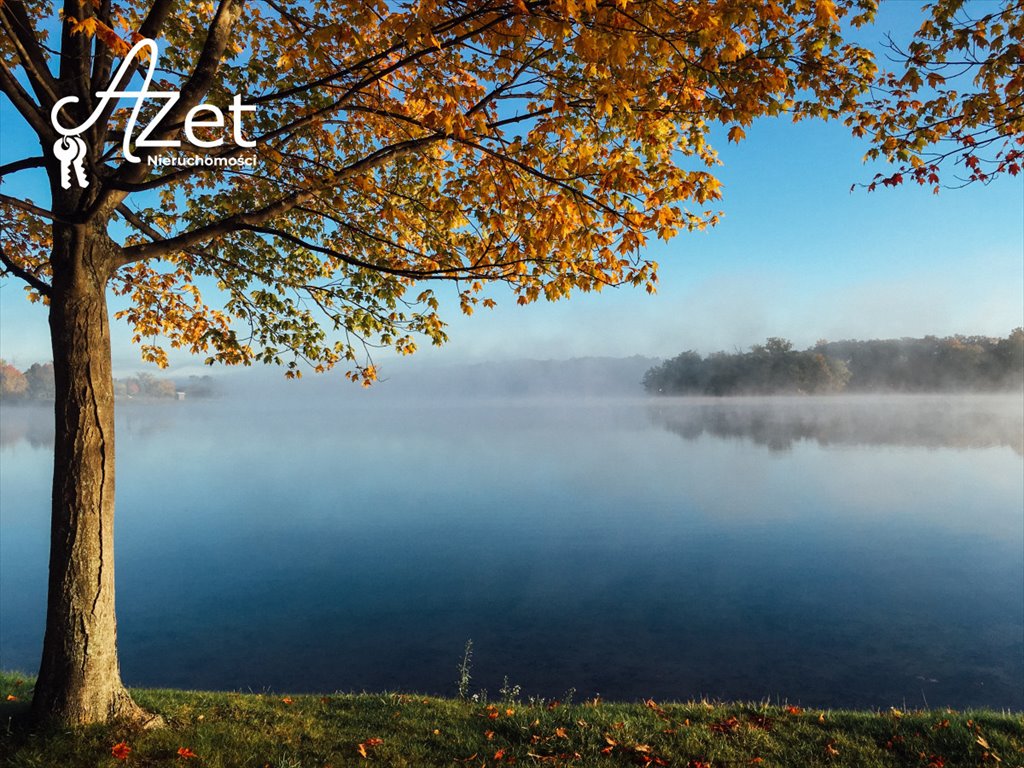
{"points": [[71, 151]]}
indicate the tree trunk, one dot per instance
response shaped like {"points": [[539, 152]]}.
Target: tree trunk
{"points": [[79, 678]]}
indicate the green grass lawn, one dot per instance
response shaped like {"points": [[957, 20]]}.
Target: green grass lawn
{"points": [[313, 731]]}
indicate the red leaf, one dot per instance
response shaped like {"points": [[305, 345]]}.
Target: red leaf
{"points": [[121, 750], [186, 753]]}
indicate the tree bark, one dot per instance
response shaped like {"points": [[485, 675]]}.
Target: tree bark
{"points": [[79, 678]]}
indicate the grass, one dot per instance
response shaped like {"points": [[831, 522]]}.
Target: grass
{"points": [[312, 731]]}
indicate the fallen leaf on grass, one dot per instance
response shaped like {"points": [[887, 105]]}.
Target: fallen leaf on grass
{"points": [[11, 697], [288, 700], [364, 747], [121, 750], [725, 726], [795, 710], [186, 753]]}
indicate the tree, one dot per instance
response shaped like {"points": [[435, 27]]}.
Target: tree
{"points": [[956, 97], [40, 381], [334, 161], [13, 384]]}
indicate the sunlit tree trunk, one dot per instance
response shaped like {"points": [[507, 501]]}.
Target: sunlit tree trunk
{"points": [[79, 678]]}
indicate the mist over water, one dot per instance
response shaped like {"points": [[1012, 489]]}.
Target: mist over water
{"points": [[844, 551]]}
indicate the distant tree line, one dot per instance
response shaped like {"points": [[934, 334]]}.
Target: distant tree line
{"points": [[36, 383], [931, 364]]}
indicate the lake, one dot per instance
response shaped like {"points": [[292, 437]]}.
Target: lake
{"points": [[845, 551]]}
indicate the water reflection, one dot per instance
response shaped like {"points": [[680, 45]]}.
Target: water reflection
{"points": [[978, 421]]}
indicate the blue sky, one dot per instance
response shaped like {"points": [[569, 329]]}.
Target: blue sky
{"points": [[797, 254]]}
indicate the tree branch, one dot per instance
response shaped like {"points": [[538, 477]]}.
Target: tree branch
{"points": [[24, 274], [26, 206], [269, 212], [21, 165], [75, 55], [24, 104], [194, 89], [19, 30]]}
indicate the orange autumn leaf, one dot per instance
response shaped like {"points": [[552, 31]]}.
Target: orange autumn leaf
{"points": [[499, 754], [186, 753], [363, 747], [288, 700], [11, 697], [121, 750], [794, 710]]}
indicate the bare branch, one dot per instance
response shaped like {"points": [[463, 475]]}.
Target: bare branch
{"points": [[21, 165], [23, 102]]}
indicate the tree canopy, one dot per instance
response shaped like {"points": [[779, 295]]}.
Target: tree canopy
{"points": [[538, 144]]}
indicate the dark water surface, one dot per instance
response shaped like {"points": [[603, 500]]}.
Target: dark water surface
{"points": [[834, 552]]}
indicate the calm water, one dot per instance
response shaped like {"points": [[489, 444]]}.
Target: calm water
{"points": [[829, 552]]}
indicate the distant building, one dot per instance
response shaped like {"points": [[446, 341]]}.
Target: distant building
{"points": [[180, 395]]}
